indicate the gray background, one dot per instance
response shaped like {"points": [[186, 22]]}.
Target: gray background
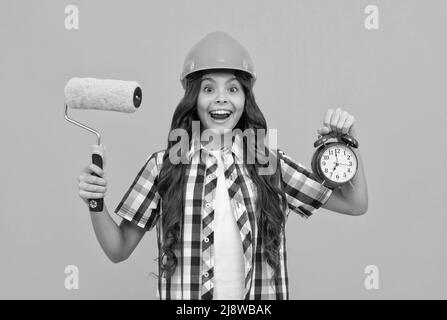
{"points": [[309, 56]]}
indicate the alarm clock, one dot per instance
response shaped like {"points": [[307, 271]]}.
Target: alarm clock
{"points": [[334, 162]]}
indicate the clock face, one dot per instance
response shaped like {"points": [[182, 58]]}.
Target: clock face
{"points": [[338, 163]]}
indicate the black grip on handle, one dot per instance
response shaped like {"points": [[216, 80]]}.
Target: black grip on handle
{"points": [[96, 205]]}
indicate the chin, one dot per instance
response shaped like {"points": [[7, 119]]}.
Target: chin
{"points": [[220, 130], [211, 125]]}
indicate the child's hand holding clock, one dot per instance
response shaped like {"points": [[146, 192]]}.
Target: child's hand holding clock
{"points": [[339, 122]]}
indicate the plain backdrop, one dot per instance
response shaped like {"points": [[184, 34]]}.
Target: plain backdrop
{"points": [[309, 56]]}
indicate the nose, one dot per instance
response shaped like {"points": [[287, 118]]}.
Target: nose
{"points": [[221, 99]]}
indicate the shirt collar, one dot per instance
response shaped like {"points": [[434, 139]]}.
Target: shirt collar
{"points": [[236, 147]]}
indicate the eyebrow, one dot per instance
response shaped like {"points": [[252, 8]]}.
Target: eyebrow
{"points": [[208, 78]]}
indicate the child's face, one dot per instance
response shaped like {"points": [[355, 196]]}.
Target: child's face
{"points": [[221, 101]]}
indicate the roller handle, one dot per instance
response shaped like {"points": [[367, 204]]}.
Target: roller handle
{"points": [[96, 205]]}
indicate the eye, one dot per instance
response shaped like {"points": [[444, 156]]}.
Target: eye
{"points": [[234, 89], [207, 89]]}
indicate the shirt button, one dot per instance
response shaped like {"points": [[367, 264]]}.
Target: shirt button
{"points": [[211, 176], [206, 239], [207, 205], [205, 274]]}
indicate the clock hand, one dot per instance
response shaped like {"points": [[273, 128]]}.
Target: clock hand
{"points": [[332, 172], [343, 164]]}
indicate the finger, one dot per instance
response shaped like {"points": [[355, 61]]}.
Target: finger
{"points": [[92, 188], [343, 116], [86, 170], [334, 119], [94, 168], [327, 118], [91, 195], [90, 179], [348, 124]]}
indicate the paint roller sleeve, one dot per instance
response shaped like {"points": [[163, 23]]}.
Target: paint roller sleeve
{"points": [[103, 94]]}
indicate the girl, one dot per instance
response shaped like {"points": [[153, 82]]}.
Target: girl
{"points": [[220, 222]]}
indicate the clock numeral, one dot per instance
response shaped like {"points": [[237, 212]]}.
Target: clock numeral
{"points": [[344, 175], [349, 157], [350, 163], [349, 169], [325, 170], [326, 157], [323, 163], [344, 153], [337, 150], [337, 176], [331, 152]]}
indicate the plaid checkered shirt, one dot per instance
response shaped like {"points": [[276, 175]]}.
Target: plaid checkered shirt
{"points": [[193, 277]]}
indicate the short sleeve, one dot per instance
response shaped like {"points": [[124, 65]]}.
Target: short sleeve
{"points": [[303, 192], [141, 202]]}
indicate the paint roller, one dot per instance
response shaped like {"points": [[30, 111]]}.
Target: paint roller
{"points": [[100, 94]]}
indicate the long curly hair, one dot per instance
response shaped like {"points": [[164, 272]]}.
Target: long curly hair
{"points": [[271, 199]]}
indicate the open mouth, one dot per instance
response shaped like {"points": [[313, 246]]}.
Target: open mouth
{"points": [[220, 114]]}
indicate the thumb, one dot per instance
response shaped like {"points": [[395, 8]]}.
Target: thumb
{"points": [[323, 130], [101, 150]]}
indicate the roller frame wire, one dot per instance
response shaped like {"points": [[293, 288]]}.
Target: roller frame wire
{"points": [[81, 125]]}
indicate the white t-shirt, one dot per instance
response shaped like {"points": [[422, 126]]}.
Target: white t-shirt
{"points": [[229, 274]]}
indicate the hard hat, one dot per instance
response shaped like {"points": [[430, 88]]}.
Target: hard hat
{"points": [[217, 50]]}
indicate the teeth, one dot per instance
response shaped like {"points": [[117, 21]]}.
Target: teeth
{"points": [[221, 112]]}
